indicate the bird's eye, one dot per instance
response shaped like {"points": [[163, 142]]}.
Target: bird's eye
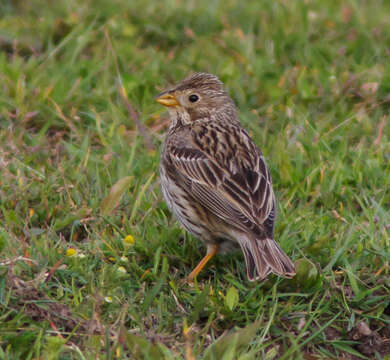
{"points": [[193, 98]]}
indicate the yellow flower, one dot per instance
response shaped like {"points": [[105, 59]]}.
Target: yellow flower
{"points": [[118, 352], [108, 299], [122, 269], [128, 240], [71, 252]]}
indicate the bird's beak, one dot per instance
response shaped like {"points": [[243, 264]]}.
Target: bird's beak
{"points": [[167, 100]]}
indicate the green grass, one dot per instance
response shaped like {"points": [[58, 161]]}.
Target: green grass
{"points": [[312, 82]]}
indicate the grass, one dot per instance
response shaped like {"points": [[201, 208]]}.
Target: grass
{"points": [[312, 82]]}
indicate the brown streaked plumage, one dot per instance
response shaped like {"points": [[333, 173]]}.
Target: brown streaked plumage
{"points": [[215, 179]]}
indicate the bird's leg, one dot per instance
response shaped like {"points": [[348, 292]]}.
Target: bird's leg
{"points": [[211, 251]]}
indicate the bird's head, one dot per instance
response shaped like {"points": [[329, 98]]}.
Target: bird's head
{"points": [[198, 96]]}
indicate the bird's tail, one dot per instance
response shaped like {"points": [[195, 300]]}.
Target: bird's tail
{"points": [[263, 256]]}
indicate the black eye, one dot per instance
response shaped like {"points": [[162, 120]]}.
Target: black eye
{"points": [[193, 98]]}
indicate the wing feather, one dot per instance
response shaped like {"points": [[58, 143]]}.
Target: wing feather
{"points": [[244, 198]]}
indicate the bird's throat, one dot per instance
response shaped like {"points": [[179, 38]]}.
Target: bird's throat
{"points": [[179, 118]]}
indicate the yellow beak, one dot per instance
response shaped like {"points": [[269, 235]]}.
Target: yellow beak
{"points": [[167, 100]]}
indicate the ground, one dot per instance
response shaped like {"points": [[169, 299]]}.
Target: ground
{"points": [[92, 262]]}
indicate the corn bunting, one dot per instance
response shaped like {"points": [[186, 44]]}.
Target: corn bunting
{"points": [[215, 179]]}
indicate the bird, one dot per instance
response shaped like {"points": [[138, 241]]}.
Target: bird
{"points": [[215, 179]]}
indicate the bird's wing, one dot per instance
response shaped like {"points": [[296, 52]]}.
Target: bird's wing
{"points": [[238, 189]]}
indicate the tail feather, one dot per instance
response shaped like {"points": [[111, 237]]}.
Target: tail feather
{"points": [[276, 258], [255, 270], [265, 256]]}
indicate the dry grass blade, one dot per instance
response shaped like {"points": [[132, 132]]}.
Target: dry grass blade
{"points": [[135, 117], [67, 121], [116, 192], [380, 130]]}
